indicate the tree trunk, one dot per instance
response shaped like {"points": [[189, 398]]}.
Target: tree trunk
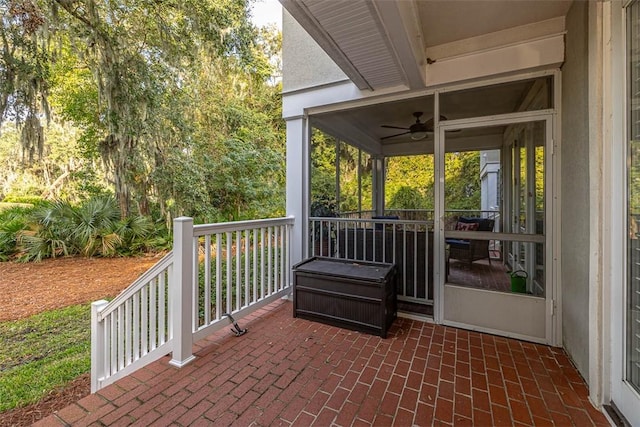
{"points": [[117, 154], [53, 188]]}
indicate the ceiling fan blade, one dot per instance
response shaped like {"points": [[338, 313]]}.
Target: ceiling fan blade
{"points": [[393, 136], [393, 127]]}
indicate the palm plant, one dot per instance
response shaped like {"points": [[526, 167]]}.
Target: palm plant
{"points": [[47, 233], [95, 227], [135, 232], [91, 229]]}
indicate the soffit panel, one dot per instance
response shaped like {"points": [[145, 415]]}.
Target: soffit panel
{"points": [[354, 27]]}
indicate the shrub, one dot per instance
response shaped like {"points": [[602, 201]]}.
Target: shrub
{"points": [[93, 228], [12, 222], [408, 198], [48, 232], [136, 232]]}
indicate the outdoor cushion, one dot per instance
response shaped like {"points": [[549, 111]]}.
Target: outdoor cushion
{"points": [[484, 224], [467, 226], [457, 243]]}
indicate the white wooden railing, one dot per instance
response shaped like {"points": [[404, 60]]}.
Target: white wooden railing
{"points": [[134, 328], [213, 270]]}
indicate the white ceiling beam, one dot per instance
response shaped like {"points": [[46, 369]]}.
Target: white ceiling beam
{"points": [[400, 22], [517, 58], [511, 36]]}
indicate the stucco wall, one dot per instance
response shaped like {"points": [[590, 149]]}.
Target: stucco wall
{"points": [[575, 189], [304, 63]]}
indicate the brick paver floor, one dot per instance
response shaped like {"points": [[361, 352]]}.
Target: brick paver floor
{"points": [[288, 371]]}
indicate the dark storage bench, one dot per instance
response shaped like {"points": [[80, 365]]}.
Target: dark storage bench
{"points": [[356, 295]]}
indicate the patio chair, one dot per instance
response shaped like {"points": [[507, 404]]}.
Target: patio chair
{"points": [[470, 250]]}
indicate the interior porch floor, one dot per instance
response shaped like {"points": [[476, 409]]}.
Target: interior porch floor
{"points": [[289, 371], [480, 274]]}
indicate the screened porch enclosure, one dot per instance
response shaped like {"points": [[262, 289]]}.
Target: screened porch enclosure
{"points": [[378, 202]]}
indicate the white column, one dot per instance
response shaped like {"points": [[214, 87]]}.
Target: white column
{"points": [[337, 164], [378, 185], [359, 182], [181, 292], [298, 185], [97, 345]]}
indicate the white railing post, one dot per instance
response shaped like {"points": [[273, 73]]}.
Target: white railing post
{"points": [[97, 345], [181, 292]]}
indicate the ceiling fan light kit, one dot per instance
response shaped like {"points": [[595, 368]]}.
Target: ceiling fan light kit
{"points": [[416, 136]]}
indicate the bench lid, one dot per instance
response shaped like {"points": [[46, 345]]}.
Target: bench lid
{"points": [[371, 271]]}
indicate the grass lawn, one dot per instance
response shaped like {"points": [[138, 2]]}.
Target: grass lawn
{"points": [[42, 353]]}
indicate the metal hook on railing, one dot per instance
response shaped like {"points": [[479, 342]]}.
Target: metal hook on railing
{"points": [[236, 329]]}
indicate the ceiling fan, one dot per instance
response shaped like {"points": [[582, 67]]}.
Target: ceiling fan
{"points": [[418, 130]]}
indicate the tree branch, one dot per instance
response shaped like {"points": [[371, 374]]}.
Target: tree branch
{"points": [[73, 11]]}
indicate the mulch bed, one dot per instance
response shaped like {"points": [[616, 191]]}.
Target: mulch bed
{"points": [[54, 401]]}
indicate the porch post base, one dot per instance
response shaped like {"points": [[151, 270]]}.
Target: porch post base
{"points": [[181, 363]]}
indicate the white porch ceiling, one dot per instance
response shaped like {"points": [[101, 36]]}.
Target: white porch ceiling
{"points": [[450, 21], [386, 43]]}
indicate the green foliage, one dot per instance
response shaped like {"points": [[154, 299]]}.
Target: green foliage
{"points": [[407, 198], [134, 230], [48, 232], [634, 178], [235, 190], [350, 176], [12, 222], [232, 180], [93, 228], [24, 71], [415, 172], [409, 179], [323, 173], [6, 206], [63, 171], [32, 200], [145, 87], [42, 353], [323, 169], [539, 162], [462, 180]]}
